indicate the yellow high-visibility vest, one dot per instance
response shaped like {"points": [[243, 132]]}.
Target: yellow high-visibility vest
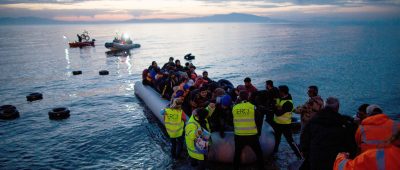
{"points": [[286, 118], [173, 122], [243, 119], [190, 135]]}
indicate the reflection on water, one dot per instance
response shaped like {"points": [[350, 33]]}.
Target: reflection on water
{"points": [[67, 58]]}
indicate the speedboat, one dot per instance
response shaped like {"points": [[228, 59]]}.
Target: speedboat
{"points": [[116, 46]]}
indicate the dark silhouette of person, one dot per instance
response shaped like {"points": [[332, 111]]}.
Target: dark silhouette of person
{"points": [[79, 38]]}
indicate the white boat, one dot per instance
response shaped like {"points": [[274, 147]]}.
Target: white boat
{"points": [[115, 46], [222, 149]]}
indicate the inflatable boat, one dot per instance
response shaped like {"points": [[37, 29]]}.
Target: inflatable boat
{"points": [[81, 44], [222, 149], [114, 46]]}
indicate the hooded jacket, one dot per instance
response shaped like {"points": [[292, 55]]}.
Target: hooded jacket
{"points": [[327, 134], [375, 131]]}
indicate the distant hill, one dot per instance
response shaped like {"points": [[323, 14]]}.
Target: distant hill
{"points": [[233, 17], [27, 21]]}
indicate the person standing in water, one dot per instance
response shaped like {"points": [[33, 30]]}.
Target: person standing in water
{"points": [[196, 125], [244, 115], [283, 120], [174, 119]]}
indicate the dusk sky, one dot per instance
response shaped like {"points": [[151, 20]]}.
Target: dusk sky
{"points": [[94, 10]]}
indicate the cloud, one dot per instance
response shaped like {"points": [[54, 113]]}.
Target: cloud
{"points": [[80, 14], [41, 1], [144, 9]]}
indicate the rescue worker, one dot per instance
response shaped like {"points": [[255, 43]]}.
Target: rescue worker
{"points": [[245, 129], [197, 121], [309, 109], [283, 120], [174, 119], [375, 129], [379, 158]]}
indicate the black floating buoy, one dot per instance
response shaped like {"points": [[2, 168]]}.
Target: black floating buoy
{"points": [[34, 96], [8, 112], [103, 72], [76, 72], [59, 113], [189, 56]]}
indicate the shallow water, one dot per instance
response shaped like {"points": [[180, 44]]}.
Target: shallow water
{"points": [[110, 129]]}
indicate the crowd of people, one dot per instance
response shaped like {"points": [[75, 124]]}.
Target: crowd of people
{"points": [[328, 139]]}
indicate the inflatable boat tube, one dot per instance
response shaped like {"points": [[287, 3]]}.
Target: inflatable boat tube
{"points": [[222, 149]]}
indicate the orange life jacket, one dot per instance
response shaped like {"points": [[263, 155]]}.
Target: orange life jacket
{"points": [[375, 131], [382, 159]]}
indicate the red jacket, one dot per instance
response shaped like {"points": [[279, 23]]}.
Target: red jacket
{"points": [[383, 159], [375, 131]]}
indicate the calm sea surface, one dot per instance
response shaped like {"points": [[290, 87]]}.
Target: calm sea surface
{"points": [[110, 128]]}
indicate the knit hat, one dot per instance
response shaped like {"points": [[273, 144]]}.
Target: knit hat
{"points": [[179, 93], [373, 109], [226, 100], [186, 86]]}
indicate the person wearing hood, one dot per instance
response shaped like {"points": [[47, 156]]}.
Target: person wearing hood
{"points": [[326, 135], [221, 120], [309, 109], [375, 129], [196, 125], [379, 158], [283, 120], [174, 119]]}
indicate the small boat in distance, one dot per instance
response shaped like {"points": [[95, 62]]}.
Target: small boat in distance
{"points": [[83, 40], [123, 44], [81, 44]]}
